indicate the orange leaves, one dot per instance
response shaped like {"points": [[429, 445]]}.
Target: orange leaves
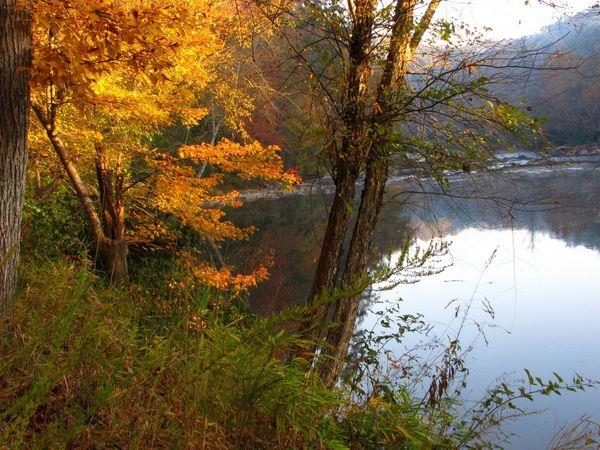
{"points": [[252, 161], [195, 201], [224, 279]]}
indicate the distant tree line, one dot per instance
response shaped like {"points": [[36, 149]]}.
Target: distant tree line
{"points": [[567, 93]]}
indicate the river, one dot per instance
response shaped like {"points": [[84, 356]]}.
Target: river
{"points": [[521, 283]]}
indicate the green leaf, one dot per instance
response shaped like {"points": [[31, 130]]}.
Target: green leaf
{"points": [[558, 377], [529, 377]]}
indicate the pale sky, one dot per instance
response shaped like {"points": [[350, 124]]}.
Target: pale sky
{"points": [[510, 18]]}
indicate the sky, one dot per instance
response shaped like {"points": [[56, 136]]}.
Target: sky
{"points": [[510, 18]]}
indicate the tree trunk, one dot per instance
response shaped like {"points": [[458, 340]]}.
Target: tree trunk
{"points": [[114, 249], [333, 243], [404, 40], [345, 310], [216, 126], [201, 169], [111, 247], [113, 257], [15, 59], [72, 173], [347, 161]]}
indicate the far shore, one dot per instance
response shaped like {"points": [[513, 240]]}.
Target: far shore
{"points": [[561, 157]]}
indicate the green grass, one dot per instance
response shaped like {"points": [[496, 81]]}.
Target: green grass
{"points": [[85, 365]]}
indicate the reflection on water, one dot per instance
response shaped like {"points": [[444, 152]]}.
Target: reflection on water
{"points": [[543, 283]]}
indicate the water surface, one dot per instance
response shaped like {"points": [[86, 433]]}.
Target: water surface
{"points": [[521, 284]]}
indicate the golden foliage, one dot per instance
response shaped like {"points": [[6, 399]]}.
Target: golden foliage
{"points": [[119, 72]]}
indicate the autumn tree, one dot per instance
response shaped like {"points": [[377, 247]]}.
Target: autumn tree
{"points": [[15, 41], [108, 76]]}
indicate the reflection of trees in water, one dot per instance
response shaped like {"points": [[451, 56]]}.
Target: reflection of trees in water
{"points": [[291, 230], [563, 204]]}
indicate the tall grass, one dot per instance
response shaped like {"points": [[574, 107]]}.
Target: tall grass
{"points": [[86, 366]]}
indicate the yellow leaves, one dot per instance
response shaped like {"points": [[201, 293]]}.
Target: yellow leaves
{"points": [[119, 71], [79, 41], [189, 116], [376, 402], [129, 66], [125, 101]]}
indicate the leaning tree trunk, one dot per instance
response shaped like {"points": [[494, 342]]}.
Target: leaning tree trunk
{"points": [[15, 42], [404, 40], [348, 159], [345, 310], [112, 251], [333, 243]]}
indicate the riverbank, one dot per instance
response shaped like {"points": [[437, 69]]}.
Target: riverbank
{"points": [[561, 157]]}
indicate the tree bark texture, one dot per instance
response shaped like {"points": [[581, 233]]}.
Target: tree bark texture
{"points": [[15, 59], [113, 248], [348, 158], [345, 310]]}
